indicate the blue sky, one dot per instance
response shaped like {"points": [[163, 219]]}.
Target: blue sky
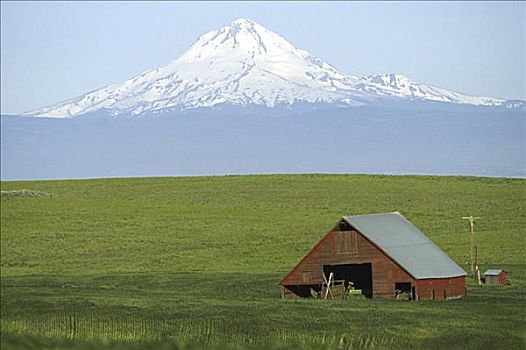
{"points": [[52, 51]]}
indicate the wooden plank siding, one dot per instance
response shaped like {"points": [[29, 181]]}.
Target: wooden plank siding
{"points": [[441, 288], [351, 247]]}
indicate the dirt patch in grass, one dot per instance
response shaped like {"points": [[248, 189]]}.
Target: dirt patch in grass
{"points": [[23, 193]]}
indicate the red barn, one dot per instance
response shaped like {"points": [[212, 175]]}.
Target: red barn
{"points": [[382, 255]]}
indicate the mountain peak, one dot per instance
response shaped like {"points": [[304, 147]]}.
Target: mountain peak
{"points": [[244, 25], [243, 37], [243, 22], [244, 63]]}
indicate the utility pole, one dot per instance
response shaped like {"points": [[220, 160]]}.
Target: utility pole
{"points": [[472, 246]]}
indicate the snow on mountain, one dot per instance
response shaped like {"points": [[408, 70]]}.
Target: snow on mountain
{"points": [[397, 85], [242, 64]]}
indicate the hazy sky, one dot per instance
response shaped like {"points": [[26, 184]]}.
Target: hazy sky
{"points": [[52, 51]]}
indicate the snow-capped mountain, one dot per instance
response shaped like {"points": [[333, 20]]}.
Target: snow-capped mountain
{"points": [[244, 64]]}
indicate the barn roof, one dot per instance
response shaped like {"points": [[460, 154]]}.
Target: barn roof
{"points": [[492, 272], [406, 244]]}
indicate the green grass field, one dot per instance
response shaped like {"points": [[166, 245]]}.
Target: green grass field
{"points": [[177, 263]]}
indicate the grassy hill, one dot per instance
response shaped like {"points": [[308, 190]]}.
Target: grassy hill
{"points": [[140, 262]]}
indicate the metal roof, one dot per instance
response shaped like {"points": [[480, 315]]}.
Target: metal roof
{"points": [[492, 272], [406, 245]]}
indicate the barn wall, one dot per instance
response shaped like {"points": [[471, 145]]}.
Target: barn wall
{"points": [[348, 247], [442, 288]]}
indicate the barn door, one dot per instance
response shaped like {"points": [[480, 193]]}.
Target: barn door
{"points": [[360, 275]]}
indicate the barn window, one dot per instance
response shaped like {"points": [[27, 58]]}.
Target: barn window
{"points": [[403, 286], [348, 242], [344, 246]]}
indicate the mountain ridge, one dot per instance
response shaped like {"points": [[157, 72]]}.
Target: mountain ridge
{"points": [[245, 64]]}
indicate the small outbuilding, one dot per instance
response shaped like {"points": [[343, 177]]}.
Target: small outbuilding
{"points": [[495, 276], [379, 255]]}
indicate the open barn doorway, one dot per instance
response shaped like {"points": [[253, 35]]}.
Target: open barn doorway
{"points": [[360, 275]]}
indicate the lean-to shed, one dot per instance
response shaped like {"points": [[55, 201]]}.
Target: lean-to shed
{"points": [[382, 255], [495, 276]]}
